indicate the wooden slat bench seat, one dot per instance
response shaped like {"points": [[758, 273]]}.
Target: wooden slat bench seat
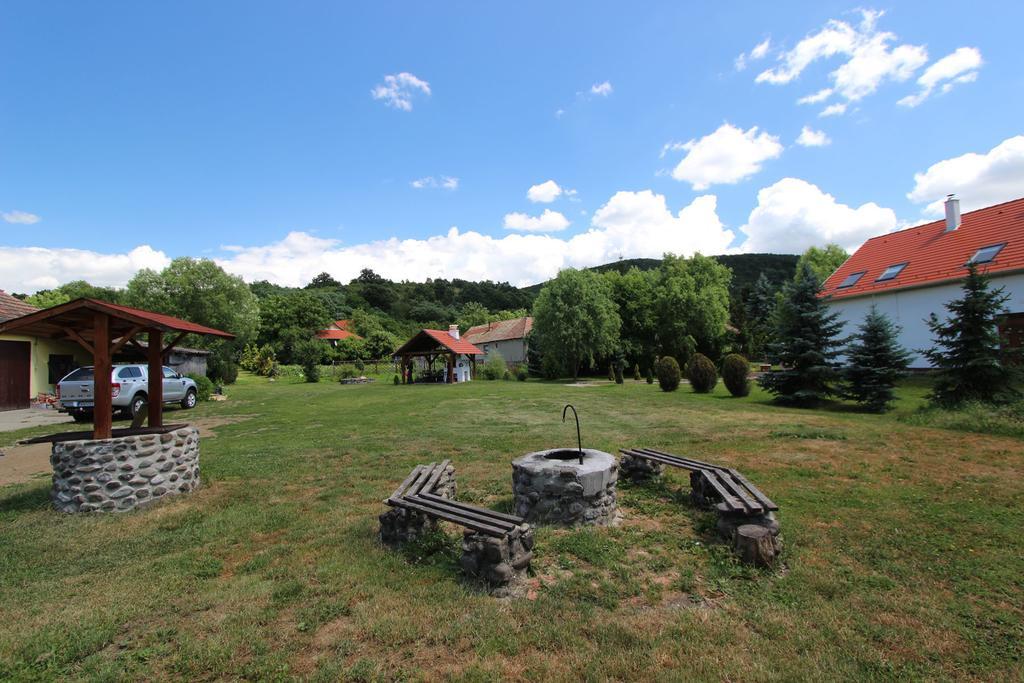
{"points": [[738, 495]]}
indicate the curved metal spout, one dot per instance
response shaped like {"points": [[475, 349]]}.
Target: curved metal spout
{"points": [[579, 440]]}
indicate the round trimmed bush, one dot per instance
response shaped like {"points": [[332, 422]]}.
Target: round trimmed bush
{"points": [[702, 373], [397, 380], [735, 374], [650, 376], [667, 369], [522, 372], [204, 387], [636, 372]]}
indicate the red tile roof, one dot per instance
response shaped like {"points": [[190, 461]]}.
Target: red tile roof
{"points": [[13, 307], [933, 255], [339, 331], [517, 328], [422, 340]]}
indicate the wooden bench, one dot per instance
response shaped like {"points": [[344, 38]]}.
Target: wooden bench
{"points": [[735, 492], [417, 493], [496, 547]]}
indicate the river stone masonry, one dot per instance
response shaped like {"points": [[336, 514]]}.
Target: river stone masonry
{"points": [[552, 487], [639, 469], [122, 473], [500, 562]]}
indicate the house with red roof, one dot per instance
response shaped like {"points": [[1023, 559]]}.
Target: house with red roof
{"points": [[505, 337], [31, 365], [337, 331], [913, 273], [456, 358]]}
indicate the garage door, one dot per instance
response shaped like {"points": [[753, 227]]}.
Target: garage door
{"points": [[14, 375]]}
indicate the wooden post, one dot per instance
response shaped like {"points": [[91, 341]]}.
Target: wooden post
{"points": [[155, 388], [451, 370], [102, 410]]}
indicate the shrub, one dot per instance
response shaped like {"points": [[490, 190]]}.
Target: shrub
{"points": [[702, 373], [636, 372], [204, 387], [507, 376], [396, 380], [735, 371], [494, 367], [522, 372], [618, 374], [360, 366], [221, 370], [309, 352], [611, 372], [668, 373]]}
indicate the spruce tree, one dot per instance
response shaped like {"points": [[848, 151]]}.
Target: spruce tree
{"points": [[967, 349], [760, 307], [806, 345], [875, 361]]}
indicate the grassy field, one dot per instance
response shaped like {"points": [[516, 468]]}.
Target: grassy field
{"points": [[904, 552]]}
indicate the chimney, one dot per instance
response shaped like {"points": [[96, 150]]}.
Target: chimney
{"points": [[453, 330], [952, 213]]}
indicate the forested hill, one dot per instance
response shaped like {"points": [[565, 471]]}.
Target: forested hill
{"points": [[746, 268]]}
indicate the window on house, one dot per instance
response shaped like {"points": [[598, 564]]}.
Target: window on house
{"points": [[851, 280], [891, 272], [986, 254]]}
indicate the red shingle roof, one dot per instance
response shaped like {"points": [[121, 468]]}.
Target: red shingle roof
{"points": [[51, 322], [933, 255], [12, 307], [338, 331], [517, 328], [427, 338]]}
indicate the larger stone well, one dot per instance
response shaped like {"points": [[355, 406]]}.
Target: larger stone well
{"points": [[553, 487]]}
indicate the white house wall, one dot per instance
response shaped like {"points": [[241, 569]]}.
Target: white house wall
{"points": [[512, 350], [911, 307]]}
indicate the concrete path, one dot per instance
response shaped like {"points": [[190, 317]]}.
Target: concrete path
{"points": [[30, 417]]}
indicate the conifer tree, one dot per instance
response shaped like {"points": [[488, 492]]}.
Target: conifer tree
{"points": [[875, 361], [967, 350], [760, 307], [806, 345]]}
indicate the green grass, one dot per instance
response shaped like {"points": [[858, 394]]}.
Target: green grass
{"points": [[903, 549]]}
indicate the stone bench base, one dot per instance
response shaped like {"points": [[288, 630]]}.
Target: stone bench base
{"points": [[639, 469], [124, 472], [499, 562]]}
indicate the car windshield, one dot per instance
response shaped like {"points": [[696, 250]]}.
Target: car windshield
{"points": [[80, 375]]}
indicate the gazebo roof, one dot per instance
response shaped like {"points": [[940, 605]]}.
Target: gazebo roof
{"points": [[426, 341], [77, 315]]}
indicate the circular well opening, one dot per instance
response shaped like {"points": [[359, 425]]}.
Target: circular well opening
{"points": [[563, 454]]}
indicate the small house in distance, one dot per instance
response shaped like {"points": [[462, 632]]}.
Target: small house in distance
{"points": [[913, 273], [505, 337], [337, 331]]}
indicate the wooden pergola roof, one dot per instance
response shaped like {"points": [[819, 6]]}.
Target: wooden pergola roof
{"points": [[434, 341], [103, 329]]}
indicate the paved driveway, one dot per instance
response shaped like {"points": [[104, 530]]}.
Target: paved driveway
{"points": [[30, 417]]}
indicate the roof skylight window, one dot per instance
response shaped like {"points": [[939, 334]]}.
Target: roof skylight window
{"points": [[986, 254], [851, 280], [891, 272]]}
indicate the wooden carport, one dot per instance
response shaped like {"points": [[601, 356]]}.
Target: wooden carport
{"points": [[102, 329]]}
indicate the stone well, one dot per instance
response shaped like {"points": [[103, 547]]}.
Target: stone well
{"points": [[124, 472], [553, 487]]}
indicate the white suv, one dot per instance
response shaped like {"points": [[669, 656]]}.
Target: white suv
{"points": [[128, 390]]}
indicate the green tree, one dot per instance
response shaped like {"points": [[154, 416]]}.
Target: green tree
{"points": [[75, 289], [967, 347], [691, 305], [309, 353], [823, 261], [471, 314], [633, 294], [760, 317], [380, 344], [806, 345], [874, 362], [288, 319], [576, 319]]}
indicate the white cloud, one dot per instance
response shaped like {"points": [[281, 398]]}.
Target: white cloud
{"points": [[559, 113], [444, 182], [20, 217], [28, 269], [871, 59], [793, 214], [671, 146], [727, 155], [399, 89], [603, 89], [835, 109], [549, 221], [961, 66], [978, 179], [758, 52], [813, 138], [814, 98], [545, 192]]}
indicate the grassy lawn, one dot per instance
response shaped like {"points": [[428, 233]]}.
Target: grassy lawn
{"points": [[904, 552]]}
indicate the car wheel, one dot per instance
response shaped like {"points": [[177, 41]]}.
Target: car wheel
{"points": [[137, 405], [190, 399]]}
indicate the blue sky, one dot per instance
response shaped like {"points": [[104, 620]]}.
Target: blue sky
{"points": [[248, 132]]}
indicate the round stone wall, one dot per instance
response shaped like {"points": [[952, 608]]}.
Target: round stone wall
{"points": [[123, 472], [552, 487]]}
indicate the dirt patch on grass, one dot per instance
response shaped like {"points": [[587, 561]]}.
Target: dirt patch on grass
{"points": [[25, 463], [207, 425]]}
